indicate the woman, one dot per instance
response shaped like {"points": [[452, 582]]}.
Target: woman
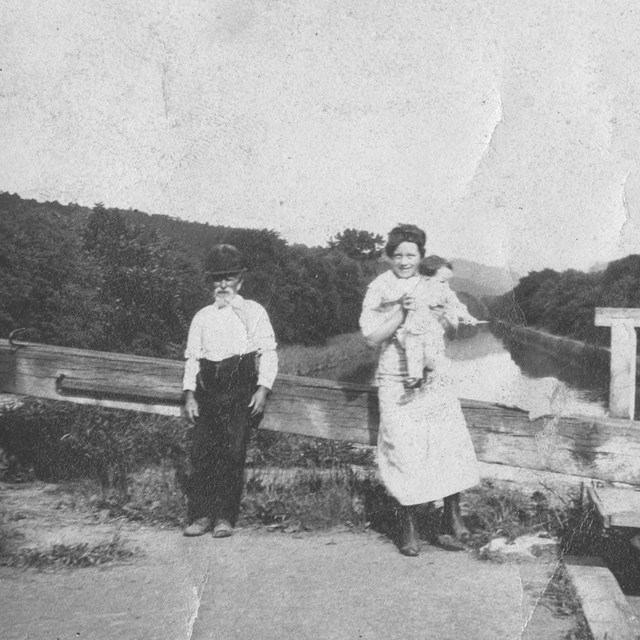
{"points": [[424, 449]]}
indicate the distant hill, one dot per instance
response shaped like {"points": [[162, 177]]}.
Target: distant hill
{"points": [[481, 280], [474, 278]]}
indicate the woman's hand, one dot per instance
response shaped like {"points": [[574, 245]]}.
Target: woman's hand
{"points": [[191, 410], [259, 401], [408, 302], [387, 328]]}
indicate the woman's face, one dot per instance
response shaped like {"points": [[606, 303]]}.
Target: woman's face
{"points": [[405, 260]]}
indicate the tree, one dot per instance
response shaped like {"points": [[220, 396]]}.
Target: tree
{"points": [[357, 244], [149, 291], [125, 281], [47, 283]]}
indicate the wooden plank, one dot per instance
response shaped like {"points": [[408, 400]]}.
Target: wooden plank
{"points": [[307, 406], [622, 388], [616, 507], [607, 611], [605, 316], [594, 499], [602, 448]]}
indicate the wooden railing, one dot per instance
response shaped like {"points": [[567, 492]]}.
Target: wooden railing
{"points": [[602, 448]]}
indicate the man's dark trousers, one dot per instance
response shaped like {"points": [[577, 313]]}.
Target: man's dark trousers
{"points": [[220, 436]]}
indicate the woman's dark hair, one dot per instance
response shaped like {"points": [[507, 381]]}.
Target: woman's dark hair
{"points": [[430, 265], [405, 233]]}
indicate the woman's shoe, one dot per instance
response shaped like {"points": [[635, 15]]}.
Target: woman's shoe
{"points": [[409, 544], [459, 530], [453, 518]]}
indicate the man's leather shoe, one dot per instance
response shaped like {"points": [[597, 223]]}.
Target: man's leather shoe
{"points": [[198, 528], [409, 549], [222, 529]]}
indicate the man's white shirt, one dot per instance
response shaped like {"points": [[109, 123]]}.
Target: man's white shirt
{"points": [[240, 327]]}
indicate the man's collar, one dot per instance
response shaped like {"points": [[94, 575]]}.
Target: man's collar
{"points": [[236, 303]]}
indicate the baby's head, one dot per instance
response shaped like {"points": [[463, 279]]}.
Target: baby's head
{"points": [[436, 267]]}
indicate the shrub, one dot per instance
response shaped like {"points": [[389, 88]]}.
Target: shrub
{"points": [[497, 509], [306, 499], [59, 441]]}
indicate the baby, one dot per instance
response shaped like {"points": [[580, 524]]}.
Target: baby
{"points": [[422, 333]]}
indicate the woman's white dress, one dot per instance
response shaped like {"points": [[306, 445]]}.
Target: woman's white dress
{"points": [[424, 450]]}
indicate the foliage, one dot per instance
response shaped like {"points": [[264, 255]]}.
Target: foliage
{"points": [[340, 353], [564, 303], [155, 495], [358, 244], [48, 282], [61, 441], [308, 499], [148, 291], [496, 509], [125, 281]]}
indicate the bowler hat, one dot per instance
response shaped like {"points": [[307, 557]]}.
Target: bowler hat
{"points": [[224, 259]]}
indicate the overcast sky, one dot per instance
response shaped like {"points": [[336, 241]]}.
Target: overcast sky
{"points": [[510, 133]]}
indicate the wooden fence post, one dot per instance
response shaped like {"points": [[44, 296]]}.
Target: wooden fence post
{"points": [[622, 387]]}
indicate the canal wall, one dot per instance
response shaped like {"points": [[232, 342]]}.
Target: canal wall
{"points": [[559, 346]]}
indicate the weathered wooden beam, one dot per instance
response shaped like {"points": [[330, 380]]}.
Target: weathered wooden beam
{"points": [[622, 388], [616, 507], [608, 613], [600, 448]]}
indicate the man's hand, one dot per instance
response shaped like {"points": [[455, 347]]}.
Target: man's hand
{"points": [[259, 401], [191, 411]]}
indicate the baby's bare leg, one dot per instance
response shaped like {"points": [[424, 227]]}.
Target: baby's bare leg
{"points": [[432, 355]]}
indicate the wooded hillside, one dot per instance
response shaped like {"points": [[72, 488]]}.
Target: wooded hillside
{"points": [[564, 303], [126, 281]]}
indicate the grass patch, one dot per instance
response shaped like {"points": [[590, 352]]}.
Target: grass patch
{"points": [[345, 349], [9, 538], [155, 496], [71, 556], [499, 510], [315, 497], [288, 498], [307, 499]]}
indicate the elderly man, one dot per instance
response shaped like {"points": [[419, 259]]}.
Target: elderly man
{"points": [[231, 364]]}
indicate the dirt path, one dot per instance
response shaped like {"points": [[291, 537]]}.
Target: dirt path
{"points": [[257, 584]]}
